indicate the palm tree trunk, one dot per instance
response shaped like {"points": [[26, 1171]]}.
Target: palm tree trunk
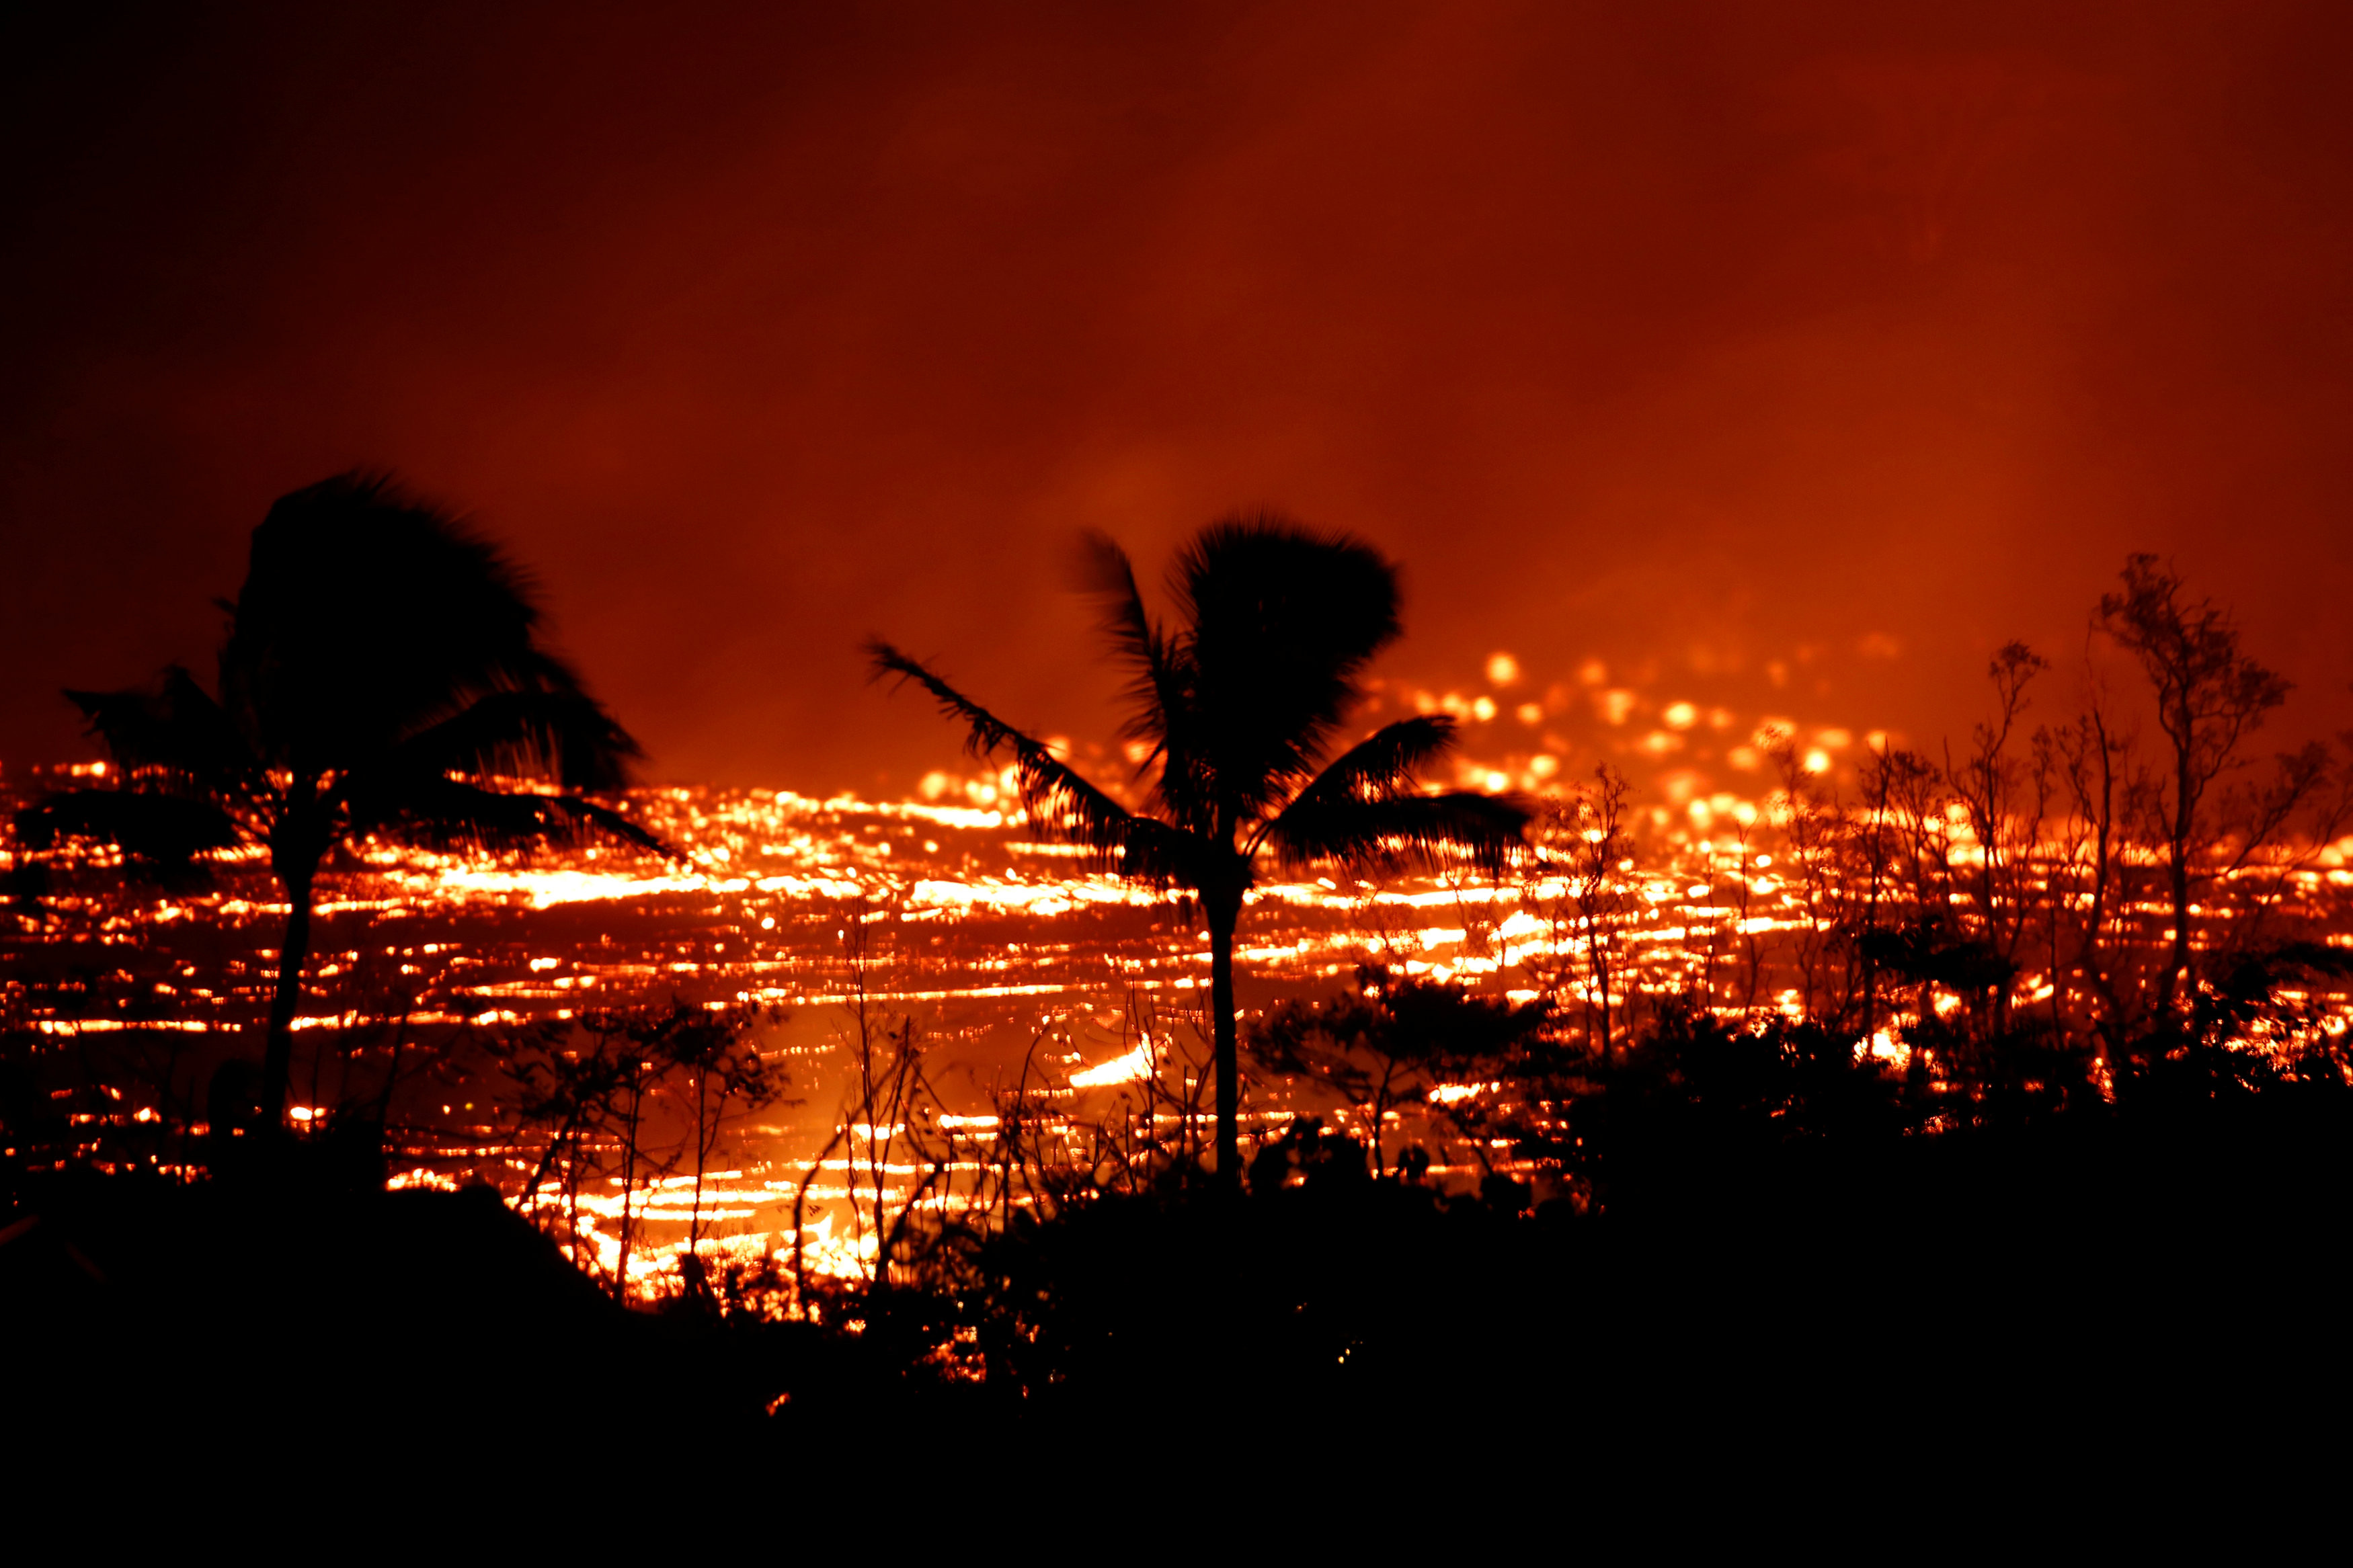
{"points": [[1223, 918], [278, 1056]]}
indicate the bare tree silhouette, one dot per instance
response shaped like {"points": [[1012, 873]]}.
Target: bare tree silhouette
{"points": [[1238, 704], [2209, 696], [382, 676]]}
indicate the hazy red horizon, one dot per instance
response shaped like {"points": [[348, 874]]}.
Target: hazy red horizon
{"points": [[1691, 337]]}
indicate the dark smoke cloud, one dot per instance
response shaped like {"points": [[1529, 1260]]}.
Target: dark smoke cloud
{"points": [[1694, 338]]}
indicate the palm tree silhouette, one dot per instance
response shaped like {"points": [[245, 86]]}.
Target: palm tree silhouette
{"points": [[381, 677], [1237, 705]]}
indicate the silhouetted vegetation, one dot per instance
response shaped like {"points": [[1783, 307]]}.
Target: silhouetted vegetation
{"points": [[2037, 1097], [1393, 1044], [623, 1098], [1237, 708], [381, 677]]}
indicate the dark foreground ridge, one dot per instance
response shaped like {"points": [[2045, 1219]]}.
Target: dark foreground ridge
{"points": [[2134, 1278]]}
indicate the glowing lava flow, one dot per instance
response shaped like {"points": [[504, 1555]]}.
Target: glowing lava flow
{"points": [[1033, 980]]}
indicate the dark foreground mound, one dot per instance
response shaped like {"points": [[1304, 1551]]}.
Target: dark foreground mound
{"points": [[180, 1311], [2072, 1289], [2102, 1282]]}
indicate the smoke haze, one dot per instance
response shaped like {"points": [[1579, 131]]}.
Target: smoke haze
{"points": [[1844, 341]]}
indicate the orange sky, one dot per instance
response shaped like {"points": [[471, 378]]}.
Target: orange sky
{"points": [[1676, 335]]}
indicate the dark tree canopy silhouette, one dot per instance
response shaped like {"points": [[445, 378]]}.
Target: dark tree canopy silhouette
{"points": [[382, 676], [1238, 703]]}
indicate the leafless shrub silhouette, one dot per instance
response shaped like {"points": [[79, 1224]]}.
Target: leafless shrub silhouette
{"points": [[621, 1097]]}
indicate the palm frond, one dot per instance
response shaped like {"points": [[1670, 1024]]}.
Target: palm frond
{"points": [[173, 733], [448, 814], [1282, 621], [565, 737], [1153, 852], [163, 829], [1382, 766], [1158, 692], [367, 616], [1057, 796], [1418, 833], [1161, 708]]}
